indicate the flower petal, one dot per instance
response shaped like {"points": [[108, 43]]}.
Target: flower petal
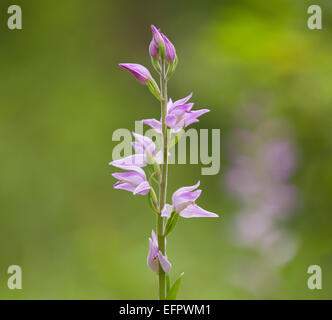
{"points": [[170, 120], [142, 188], [165, 264], [179, 109], [154, 238], [154, 124], [191, 117], [157, 38], [152, 260], [153, 49], [170, 49], [183, 100], [194, 211], [124, 186], [167, 210], [132, 177], [146, 142], [137, 160], [184, 189], [182, 200]]}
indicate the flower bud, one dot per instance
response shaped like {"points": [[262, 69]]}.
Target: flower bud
{"points": [[138, 71], [157, 38], [159, 43], [153, 50], [169, 48]]}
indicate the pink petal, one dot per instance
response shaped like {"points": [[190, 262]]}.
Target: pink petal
{"points": [[171, 120], [137, 160], [184, 189], [192, 116], [165, 264], [142, 188], [185, 198], [154, 124], [147, 144], [184, 100], [152, 260], [167, 211], [154, 238], [124, 186], [131, 177], [180, 109], [194, 211]]}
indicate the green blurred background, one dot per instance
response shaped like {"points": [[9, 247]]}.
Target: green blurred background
{"points": [[62, 97]]}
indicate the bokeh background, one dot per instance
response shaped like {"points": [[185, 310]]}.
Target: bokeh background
{"points": [[267, 79]]}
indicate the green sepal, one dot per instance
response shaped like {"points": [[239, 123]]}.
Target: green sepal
{"points": [[156, 64], [162, 51], [171, 68], [153, 87], [152, 198], [157, 170]]}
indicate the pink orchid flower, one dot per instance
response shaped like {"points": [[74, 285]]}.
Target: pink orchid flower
{"points": [[155, 256], [133, 180], [145, 150], [179, 115], [184, 204]]}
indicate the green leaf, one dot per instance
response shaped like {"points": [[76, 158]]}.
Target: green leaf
{"points": [[168, 284], [171, 295], [171, 223]]}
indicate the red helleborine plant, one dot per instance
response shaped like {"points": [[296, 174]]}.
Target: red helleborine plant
{"points": [[175, 117]]}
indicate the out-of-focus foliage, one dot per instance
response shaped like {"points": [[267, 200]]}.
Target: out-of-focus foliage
{"points": [[63, 95]]}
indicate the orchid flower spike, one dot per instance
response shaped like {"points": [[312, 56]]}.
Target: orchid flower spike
{"points": [[155, 256], [133, 180], [184, 204]]}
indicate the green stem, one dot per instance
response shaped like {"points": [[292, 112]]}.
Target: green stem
{"points": [[163, 183]]}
